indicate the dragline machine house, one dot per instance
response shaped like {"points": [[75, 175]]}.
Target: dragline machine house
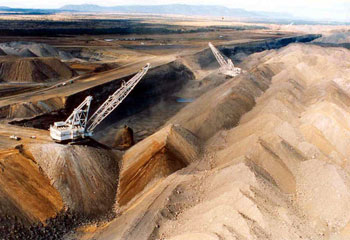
{"points": [[226, 66], [78, 125]]}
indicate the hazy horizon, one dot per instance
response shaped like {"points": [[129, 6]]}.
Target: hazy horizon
{"points": [[338, 10]]}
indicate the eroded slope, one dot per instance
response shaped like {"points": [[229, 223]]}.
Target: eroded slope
{"points": [[275, 159]]}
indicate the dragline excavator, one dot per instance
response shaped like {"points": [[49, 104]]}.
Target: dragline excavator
{"points": [[79, 126], [226, 67]]}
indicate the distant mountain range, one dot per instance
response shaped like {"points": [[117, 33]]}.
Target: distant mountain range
{"points": [[177, 9], [9, 10]]}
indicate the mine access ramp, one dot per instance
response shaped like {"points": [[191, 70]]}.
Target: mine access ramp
{"points": [[79, 126], [226, 66]]}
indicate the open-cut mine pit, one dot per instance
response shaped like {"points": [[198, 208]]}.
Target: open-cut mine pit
{"points": [[275, 168], [174, 147]]}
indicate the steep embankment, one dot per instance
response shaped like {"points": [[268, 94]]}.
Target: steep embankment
{"points": [[13, 69], [223, 106], [154, 158], [25, 193], [281, 171], [159, 83]]}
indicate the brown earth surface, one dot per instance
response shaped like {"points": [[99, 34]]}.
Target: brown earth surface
{"points": [[40, 180], [124, 138], [274, 164], [154, 158], [13, 69], [259, 156], [88, 185], [25, 191]]}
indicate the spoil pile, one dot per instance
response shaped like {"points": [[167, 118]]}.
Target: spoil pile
{"points": [[275, 160], [124, 138], [293, 145], [32, 109], [223, 106], [14, 69], [154, 158], [31, 49], [86, 177]]}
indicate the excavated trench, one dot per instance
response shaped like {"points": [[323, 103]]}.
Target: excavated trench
{"points": [[160, 85], [238, 52]]}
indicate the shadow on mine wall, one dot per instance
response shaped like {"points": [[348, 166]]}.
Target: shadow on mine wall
{"points": [[158, 84], [237, 52]]}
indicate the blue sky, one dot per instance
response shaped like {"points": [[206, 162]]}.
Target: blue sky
{"points": [[317, 9]]}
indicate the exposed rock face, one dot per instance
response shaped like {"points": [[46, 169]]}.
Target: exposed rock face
{"points": [[13, 69], [86, 177], [25, 192], [154, 158], [124, 138]]}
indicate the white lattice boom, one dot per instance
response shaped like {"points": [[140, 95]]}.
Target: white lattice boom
{"points": [[115, 99], [77, 124], [226, 67]]}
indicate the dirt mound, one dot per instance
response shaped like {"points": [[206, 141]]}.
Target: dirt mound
{"points": [[223, 106], [46, 190], [24, 49], [124, 138], [33, 70], [86, 177], [236, 201], [33, 109], [297, 134], [154, 158], [26, 53], [277, 170]]}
